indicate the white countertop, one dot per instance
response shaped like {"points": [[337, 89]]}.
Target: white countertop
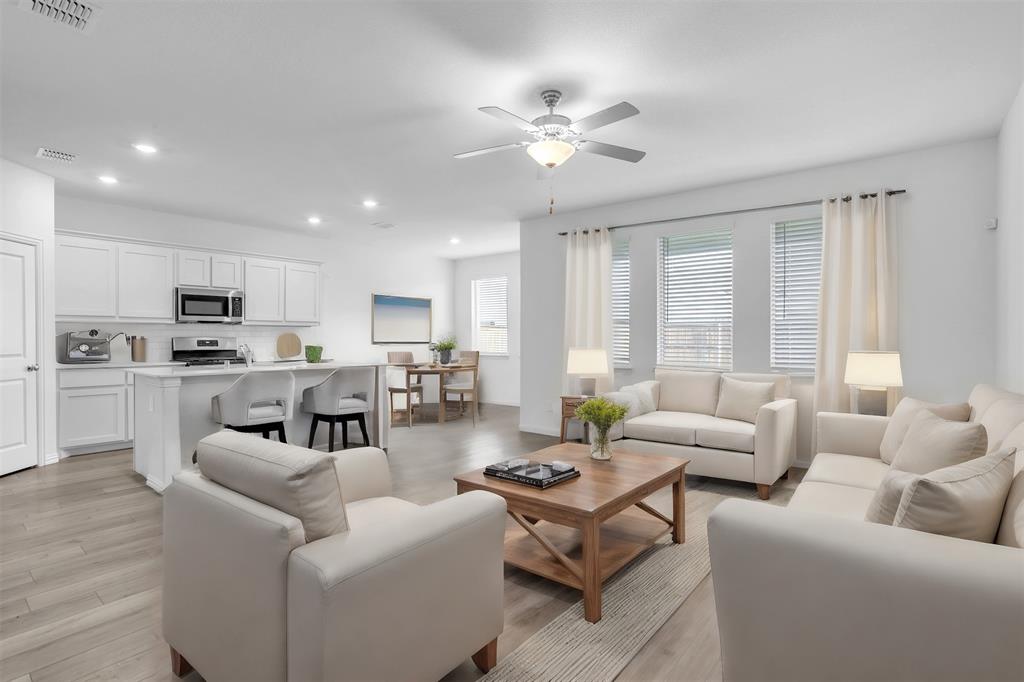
{"points": [[127, 364], [180, 371]]}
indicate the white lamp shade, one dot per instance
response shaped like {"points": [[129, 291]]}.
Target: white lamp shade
{"points": [[551, 153], [587, 362], [873, 369]]}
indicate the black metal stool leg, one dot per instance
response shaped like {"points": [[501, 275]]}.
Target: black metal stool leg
{"points": [[362, 427], [330, 430], [280, 433], [312, 430], [344, 434]]}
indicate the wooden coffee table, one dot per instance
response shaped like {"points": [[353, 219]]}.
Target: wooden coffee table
{"points": [[582, 532]]}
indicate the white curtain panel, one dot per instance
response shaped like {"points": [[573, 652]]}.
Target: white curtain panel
{"points": [[857, 306], [588, 299]]}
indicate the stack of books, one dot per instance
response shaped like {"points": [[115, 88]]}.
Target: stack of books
{"points": [[536, 474]]}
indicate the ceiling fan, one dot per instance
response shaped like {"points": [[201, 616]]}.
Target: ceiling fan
{"points": [[557, 137]]}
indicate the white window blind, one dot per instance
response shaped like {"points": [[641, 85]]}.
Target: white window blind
{"points": [[695, 300], [620, 303], [796, 282], [490, 315]]}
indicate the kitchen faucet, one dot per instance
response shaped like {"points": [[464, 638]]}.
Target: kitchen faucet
{"points": [[246, 352]]}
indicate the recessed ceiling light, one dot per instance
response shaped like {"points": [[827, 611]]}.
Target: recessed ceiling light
{"points": [[454, 240], [107, 179], [313, 220], [145, 148], [370, 203]]}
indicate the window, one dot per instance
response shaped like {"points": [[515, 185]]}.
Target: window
{"points": [[490, 315], [620, 303], [695, 300], [796, 281]]}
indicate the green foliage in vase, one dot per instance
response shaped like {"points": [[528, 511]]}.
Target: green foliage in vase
{"points": [[446, 343], [600, 412]]}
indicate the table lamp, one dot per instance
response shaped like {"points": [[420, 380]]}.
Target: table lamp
{"points": [[873, 372], [587, 364]]}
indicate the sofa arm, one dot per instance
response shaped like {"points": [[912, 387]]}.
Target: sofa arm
{"points": [[774, 440], [407, 599], [860, 601], [363, 473], [850, 434]]}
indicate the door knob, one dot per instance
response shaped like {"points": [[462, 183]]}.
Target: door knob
{"points": [[33, 368]]}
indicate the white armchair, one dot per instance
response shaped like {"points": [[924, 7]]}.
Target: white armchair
{"points": [[256, 588]]}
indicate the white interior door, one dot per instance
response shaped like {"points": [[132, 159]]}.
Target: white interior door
{"points": [[19, 369]]}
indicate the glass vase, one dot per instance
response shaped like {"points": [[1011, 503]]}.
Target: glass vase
{"points": [[601, 446]]}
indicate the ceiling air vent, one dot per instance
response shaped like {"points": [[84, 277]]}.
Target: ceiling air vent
{"points": [[383, 226], [75, 14], [54, 155]]}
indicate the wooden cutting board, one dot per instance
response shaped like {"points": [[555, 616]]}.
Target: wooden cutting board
{"points": [[288, 345]]}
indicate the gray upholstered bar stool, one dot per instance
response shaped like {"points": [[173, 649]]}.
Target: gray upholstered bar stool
{"points": [[259, 402], [330, 401]]}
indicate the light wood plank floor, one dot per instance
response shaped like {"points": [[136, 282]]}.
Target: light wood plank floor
{"points": [[80, 562]]}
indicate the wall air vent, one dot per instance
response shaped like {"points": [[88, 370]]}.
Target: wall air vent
{"points": [[75, 14], [53, 155]]}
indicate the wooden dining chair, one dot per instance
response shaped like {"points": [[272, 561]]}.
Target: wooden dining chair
{"points": [[464, 388], [415, 390]]}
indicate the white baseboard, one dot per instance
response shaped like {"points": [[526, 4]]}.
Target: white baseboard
{"points": [[498, 402], [543, 430], [801, 464], [51, 458]]}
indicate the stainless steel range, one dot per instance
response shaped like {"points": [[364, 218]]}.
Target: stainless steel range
{"points": [[197, 351]]}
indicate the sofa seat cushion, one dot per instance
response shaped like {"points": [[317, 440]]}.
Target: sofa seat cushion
{"points": [[858, 472], [688, 428], [376, 510], [831, 498]]}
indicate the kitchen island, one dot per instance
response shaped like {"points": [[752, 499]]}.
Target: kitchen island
{"points": [[173, 413]]}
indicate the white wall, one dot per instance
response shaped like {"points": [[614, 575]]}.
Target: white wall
{"points": [[1010, 250], [26, 198], [350, 273], [946, 293], [499, 375]]}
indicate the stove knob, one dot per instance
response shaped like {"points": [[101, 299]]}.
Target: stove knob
{"points": [[83, 347]]}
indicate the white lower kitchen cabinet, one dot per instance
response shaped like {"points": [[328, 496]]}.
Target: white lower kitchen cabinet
{"points": [[90, 416]]}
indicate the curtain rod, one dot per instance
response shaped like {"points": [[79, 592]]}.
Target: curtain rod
{"points": [[848, 197]]}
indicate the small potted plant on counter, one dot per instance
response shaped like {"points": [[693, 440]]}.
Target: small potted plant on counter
{"points": [[445, 347], [603, 414]]}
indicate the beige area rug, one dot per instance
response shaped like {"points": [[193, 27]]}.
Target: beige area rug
{"points": [[636, 603]]}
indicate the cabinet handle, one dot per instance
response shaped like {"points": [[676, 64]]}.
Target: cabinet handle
{"points": [[33, 368]]}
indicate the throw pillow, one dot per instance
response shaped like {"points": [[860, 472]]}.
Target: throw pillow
{"points": [[962, 501], [904, 414], [297, 481], [742, 399], [887, 498], [934, 443], [646, 392]]}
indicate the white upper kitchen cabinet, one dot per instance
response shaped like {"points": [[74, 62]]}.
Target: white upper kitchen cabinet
{"points": [[85, 274], [302, 293], [226, 271], [264, 290], [145, 282], [193, 268]]}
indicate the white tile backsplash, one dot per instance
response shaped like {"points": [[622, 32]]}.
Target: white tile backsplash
{"points": [[262, 340]]}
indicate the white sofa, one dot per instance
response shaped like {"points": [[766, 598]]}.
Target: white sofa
{"points": [[254, 592], [684, 425], [814, 592]]}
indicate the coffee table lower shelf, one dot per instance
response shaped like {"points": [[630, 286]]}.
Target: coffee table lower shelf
{"points": [[623, 538]]}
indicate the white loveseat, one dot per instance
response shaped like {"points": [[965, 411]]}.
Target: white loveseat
{"points": [[814, 592], [683, 424]]}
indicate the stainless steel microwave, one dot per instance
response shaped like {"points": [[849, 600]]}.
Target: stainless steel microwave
{"points": [[222, 306]]}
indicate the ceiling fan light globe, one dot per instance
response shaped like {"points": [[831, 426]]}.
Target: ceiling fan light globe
{"points": [[550, 153]]}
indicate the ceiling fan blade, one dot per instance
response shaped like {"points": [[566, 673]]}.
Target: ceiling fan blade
{"points": [[488, 150], [605, 116], [509, 117], [614, 151]]}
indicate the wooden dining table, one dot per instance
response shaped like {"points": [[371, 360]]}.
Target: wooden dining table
{"points": [[420, 369]]}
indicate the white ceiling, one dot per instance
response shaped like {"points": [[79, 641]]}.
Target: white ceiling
{"points": [[268, 112]]}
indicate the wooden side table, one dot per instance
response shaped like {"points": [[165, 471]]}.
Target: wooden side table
{"points": [[569, 405]]}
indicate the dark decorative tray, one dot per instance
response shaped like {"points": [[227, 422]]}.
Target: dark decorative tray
{"points": [[531, 473]]}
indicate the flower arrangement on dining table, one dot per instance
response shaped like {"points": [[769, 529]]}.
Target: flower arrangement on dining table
{"points": [[603, 414]]}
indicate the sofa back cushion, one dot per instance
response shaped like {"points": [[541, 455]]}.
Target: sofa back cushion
{"points": [[935, 443], [297, 481], [904, 414], [983, 396], [782, 382], [741, 400], [1011, 527], [687, 391], [1000, 419]]}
